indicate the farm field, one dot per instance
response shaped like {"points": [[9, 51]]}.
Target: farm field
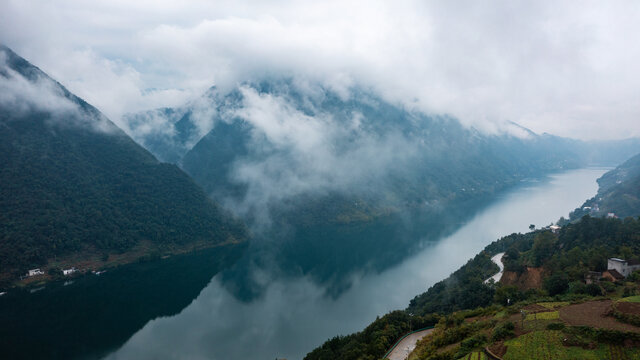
{"points": [[476, 355], [553, 304], [593, 313], [547, 345], [548, 315], [632, 299]]}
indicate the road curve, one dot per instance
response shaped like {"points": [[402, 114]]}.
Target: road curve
{"points": [[406, 346], [498, 260]]}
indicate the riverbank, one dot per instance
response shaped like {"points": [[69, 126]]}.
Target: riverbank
{"points": [[91, 260]]}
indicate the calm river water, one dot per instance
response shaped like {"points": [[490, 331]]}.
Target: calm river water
{"points": [[293, 316]]}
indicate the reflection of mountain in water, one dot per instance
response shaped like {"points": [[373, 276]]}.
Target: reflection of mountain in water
{"points": [[331, 253], [97, 314]]}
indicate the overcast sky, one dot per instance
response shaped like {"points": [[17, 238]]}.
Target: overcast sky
{"points": [[567, 68]]}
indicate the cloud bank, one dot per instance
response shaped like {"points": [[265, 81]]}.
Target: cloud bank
{"points": [[566, 68]]}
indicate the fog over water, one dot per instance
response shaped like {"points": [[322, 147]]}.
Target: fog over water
{"points": [[293, 316]]}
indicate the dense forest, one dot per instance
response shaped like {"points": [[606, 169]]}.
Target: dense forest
{"points": [[72, 182]]}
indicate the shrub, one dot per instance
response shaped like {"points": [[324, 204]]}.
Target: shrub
{"points": [[608, 286], [629, 291], [472, 343], [577, 287], [555, 326], [593, 290], [556, 284], [503, 331]]}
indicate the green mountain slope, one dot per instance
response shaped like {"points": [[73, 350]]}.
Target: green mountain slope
{"points": [[73, 183], [619, 193]]}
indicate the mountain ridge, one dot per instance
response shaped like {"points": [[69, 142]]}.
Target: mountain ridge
{"points": [[74, 183]]}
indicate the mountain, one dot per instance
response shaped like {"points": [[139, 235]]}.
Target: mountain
{"points": [[75, 188], [337, 182], [618, 193]]}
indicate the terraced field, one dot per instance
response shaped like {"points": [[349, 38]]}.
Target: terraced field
{"points": [[476, 355]]}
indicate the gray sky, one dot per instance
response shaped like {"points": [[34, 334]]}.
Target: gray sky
{"points": [[568, 68]]}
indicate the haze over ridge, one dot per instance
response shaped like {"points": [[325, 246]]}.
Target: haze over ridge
{"points": [[548, 66]]}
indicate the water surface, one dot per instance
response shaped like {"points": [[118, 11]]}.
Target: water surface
{"points": [[292, 316]]}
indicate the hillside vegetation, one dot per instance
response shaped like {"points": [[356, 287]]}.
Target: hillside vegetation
{"points": [[74, 185], [619, 193]]}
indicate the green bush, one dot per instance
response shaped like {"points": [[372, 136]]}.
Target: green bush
{"points": [[629, 291], [555, 326], [593, 290], [556, 284], [472, 343], [608, 286], [503, 331], [577, 287]]}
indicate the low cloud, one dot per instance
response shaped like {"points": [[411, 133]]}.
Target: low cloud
{"points": [[23, 97], [552, 67], [299, 150]]}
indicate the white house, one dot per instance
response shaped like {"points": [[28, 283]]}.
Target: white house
{"points": [[624, 267], [554, 228], [611, 215], [69, 271], [34, 272]]}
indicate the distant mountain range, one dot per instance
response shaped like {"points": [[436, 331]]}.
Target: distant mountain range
{"points": [[348, 181], [77, 190]]}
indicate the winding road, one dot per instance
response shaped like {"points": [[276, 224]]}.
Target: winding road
{"points": [[406, 346], [498, 260]]}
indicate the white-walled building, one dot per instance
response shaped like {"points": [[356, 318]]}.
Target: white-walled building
{"points": [[624, 267], [34, 272]]}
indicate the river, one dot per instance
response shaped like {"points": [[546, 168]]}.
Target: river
{"points": [[293, 316]]}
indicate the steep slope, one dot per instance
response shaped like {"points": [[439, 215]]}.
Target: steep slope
{"points": [[619, 193], [73, 184]]}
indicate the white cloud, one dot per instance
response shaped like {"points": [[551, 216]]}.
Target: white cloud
{"points": [[297, 152], [560, 67]]}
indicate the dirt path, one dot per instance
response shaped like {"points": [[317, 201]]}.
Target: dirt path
{"points": [[406, 346]]}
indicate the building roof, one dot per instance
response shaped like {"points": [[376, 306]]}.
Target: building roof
{"points": [[615, 274], [616, 259]]}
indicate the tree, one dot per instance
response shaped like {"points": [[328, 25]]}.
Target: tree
{"points": [[506, 295], [532, 227], [593, 290], [544, 245], [556, 284]]}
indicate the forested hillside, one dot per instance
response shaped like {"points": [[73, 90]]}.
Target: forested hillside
{"points": [[619, 193], [73, 183]]}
